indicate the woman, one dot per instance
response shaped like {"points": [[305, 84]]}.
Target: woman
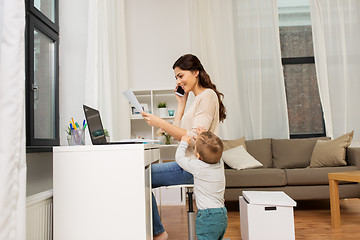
{"points": [[206, 111]]}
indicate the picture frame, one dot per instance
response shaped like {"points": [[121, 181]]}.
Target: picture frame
{"points": [[144, 106]]}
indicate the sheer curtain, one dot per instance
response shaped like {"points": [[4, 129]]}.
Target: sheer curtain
{"points": [[336, 37], [12, 120], [238, 43], [106, 74]]}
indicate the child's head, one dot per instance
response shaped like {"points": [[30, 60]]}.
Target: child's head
{"points": [[208, 147]]}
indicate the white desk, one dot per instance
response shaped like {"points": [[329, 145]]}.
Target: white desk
{"points": [[103, 192]]}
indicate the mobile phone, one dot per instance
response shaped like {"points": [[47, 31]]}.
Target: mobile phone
{"points": [[180, 91]]}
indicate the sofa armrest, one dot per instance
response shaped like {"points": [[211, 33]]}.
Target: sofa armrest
{"points": [[353, 156]]}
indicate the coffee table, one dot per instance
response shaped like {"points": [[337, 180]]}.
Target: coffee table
{"points": [[334, 178]]}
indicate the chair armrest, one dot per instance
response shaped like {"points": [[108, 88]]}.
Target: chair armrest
{"points": [[353, 156]]}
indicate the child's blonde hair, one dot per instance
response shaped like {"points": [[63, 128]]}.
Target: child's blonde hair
{"points": [[210, 147]]}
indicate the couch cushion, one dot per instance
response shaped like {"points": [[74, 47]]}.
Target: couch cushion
{"points": [[293, 153], [313, 176], [260, 177], [228, 144], [261, 150], [238, 158], [331, 153]]}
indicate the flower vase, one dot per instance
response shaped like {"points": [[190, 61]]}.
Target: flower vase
{"points": [[69, 140], [162, 112], [167, 139]]}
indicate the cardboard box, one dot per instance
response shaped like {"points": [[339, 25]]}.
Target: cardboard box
{"points": [[266, 215]]}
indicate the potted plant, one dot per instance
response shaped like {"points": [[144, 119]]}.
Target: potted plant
{"points": [[167, 136], [162, 109], [68, 137], [107, 136]]}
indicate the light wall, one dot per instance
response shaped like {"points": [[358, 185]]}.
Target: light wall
{"points": [[73, 46], [39, 172], [157, 34]]}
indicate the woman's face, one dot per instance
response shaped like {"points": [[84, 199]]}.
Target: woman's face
{"points": [[186, 79]]}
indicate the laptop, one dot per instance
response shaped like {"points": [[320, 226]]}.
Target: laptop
{"points": [[96, 129]]}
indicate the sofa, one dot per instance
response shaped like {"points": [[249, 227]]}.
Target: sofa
{"points": [[286, 166]]}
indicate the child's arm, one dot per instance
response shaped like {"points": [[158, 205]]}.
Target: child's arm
{"points": [[184, 162]]}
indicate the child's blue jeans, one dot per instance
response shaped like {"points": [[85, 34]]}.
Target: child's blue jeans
{"points": [[211, 223]]}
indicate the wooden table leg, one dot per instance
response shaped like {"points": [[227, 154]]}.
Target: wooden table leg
{"points": [[334, 203]]}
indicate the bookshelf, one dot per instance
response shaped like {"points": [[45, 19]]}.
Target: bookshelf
{"points": [[150, 99]]}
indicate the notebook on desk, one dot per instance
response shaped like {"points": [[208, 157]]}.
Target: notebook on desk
{"points": [[96, 129]]}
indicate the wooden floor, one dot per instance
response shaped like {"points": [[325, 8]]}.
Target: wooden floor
{"points": [[312, 221]]}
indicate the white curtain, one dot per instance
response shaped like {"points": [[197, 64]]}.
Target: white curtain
{"points": [[12, 120], [336, 37], [238, 44], [106, 74]]}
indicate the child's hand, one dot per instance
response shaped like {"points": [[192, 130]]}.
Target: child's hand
{"points": [[200, 130], [186, 138]]}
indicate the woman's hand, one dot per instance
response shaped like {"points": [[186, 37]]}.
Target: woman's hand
{"points": [[181, 100], [169, 128], [152, 120], [181, 104]]}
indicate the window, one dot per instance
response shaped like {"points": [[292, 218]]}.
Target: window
{"points": [[42, 77], [304, 107]]}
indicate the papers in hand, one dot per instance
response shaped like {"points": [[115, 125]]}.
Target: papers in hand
{"points": [[130, 96]]}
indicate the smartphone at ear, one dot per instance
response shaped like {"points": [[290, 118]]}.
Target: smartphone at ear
{"points": [[180, 91]]}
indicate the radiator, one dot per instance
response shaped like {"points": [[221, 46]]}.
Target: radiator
{"points": [[39, 216]]}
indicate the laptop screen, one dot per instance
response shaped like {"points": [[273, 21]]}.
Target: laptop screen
{"points": [[95, 126]]}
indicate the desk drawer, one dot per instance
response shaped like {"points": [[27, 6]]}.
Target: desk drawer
{"points": [[151, 155], [156, 155]]}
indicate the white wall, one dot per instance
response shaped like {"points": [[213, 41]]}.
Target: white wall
{"points": [[157, 35], [39, 172], [73, 46]]}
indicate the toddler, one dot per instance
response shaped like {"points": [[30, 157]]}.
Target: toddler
{"points": [[209, 183]]}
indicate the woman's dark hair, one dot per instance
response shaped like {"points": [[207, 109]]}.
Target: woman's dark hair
{"points": [[190, 62]]}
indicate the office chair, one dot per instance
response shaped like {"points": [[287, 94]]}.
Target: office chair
{"points": [[191, 214], [189, 189]]}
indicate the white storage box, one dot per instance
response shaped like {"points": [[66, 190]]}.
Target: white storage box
{"points": [[266, 215]]}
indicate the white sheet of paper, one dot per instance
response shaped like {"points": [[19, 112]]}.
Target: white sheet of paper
{"points": [[130, 96]]}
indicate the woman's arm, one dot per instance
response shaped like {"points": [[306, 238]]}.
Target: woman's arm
{"points": [[180, 107], [155, 121], [179, 113], [173, 129]]}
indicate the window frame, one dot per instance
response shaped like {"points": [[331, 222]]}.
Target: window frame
{"points": [[35, 20], [296, 61], [37, 13], [299, 18]]}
